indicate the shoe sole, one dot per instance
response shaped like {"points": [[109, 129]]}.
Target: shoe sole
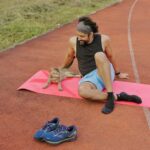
{"points": [[65, 140], [40, 140]]}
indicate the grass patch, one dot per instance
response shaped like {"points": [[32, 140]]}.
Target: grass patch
{"points": [[23, 19]]}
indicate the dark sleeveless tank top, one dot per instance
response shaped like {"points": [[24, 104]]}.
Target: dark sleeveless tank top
{"points": [[85, 54]]}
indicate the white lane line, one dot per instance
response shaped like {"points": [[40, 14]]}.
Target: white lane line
{"points": [[135, 70]]}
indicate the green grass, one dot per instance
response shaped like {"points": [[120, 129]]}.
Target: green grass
{"points": [[23, 19]]}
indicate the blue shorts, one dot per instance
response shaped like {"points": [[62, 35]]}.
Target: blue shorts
{"points": [[94, 78]]}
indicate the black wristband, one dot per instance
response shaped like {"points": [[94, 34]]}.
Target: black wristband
{"points": [[117, 73]]}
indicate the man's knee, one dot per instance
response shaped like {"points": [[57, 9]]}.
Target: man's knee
{"points": [[83, 92], [100, 57]]}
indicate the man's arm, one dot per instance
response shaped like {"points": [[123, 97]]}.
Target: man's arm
{"points": [[70, 55], [110, 53], [112, 57]]}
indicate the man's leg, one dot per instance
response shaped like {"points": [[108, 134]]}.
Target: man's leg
{"points": [[104, 72], [89, 91], [103, 66]]}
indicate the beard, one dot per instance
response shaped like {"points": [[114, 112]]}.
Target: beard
{"points": [[83, 43]]}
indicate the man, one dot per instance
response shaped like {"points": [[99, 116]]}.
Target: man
{"points": [[97, 65]]}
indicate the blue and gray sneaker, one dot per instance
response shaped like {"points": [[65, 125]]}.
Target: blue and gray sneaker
{"points": [[61, 134], [48, 127]]}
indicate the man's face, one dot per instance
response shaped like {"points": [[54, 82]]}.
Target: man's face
{"points": [[83, 38]]}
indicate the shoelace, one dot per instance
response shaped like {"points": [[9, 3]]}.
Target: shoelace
{"points": [[59, 129], [48, 125]]}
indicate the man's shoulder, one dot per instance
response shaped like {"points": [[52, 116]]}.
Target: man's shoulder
{"points": [[105, 37], [73, 40]]}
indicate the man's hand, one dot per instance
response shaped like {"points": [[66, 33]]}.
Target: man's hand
{"points": [[123, 76]]}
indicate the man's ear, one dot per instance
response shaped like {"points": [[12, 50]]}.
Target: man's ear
{"points": [[91, 34]]}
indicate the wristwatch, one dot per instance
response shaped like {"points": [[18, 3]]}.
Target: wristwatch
{"points": [[117, 73]]}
